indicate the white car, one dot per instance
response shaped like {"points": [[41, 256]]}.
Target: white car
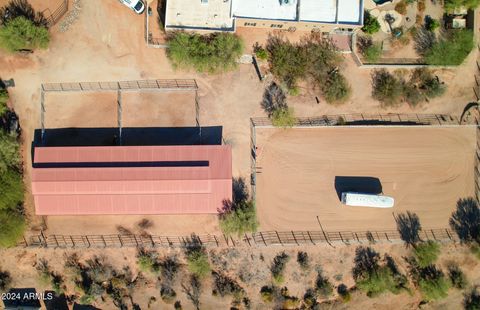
{"points": [[136, 5]]}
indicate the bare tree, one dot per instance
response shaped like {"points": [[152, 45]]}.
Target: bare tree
{"points": [[193, 290]]}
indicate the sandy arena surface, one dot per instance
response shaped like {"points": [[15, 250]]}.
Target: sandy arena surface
{"points": [[426, 170]]}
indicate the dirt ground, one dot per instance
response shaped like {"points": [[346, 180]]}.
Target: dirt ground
{"points": [[106, 43], [302, 172], [250, 268]]}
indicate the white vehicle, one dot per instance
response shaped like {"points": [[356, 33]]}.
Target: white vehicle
{"points": [[367, 200], [136, 5]]}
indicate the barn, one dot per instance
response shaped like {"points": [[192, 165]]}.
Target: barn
{"points": [[122, 180]]}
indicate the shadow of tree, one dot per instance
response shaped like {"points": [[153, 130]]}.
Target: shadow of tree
{"points": [[408, 225], [239, 196], [465, 220]]}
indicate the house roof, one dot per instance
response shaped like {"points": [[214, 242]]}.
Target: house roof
{"points": [[131, 179]]}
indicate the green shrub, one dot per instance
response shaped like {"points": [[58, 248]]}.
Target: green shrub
{"points": [[13, 228], [267, 293], [260, 51], [432, 283], [21, 8], [197, 258], [198, 264], [241, 219], [3, 102], [431, 24], [216, 52], [148, 261], [373, 53], [323, 287], [21, 33], [283, 118], [452, 49], [370, 23], [451, 5], [386, 88], [426, 253], [475, 249], [344, 293], [278, 266], [336, 88]]}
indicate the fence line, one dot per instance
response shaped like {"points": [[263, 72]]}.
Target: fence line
{"points": [[258, 239], [172, 84], [57, 14], [366, 119]]}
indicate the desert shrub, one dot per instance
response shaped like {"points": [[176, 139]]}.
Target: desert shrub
{"points": [[370, 23], [13, 226], [197, 257], [21, 8], [3, 102], [401, 7], [457, 277], [344, 292], [323, 287], [336, 88], [148, 261], [432, 283], [412, 94], [5, 281], [465, 220], [370, 50], [475, 249], [260, 51], [168, 294], [239, 218], [408, 225], [177, 305], [283, 118], [210, 53], [267, 293], [274, 98], [386, 87], [451, 49], [303, 260], [224, 285], [278, 266], [48, 277], [193, 290], [424, 40], [313, 58], [310, 298], [431, 24], [471, 300], [288, 61], [426, 253], [372, 277], [169, 268], [451, 5], [21, 33], [291, 302], [428, 84]]}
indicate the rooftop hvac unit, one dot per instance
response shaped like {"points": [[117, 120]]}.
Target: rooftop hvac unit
{"points": [[286, 2]]}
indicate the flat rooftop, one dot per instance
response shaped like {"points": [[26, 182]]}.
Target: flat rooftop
{"points": [[206, 14], [320, 11]]}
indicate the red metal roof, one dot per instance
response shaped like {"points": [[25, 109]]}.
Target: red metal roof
{"points": [[131, 179]]}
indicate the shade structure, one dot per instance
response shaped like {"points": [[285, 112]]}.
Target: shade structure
{"points": [[131, 179]]}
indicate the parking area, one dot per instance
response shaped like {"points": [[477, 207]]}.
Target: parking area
{"points": [[302, 172]]}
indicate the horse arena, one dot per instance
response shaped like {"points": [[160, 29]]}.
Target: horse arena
{"points": [[301, 173]]}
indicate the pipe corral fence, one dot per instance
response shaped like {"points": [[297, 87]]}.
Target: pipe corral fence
{"points": [[258, 239], [167, 85], [54, 16]]}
